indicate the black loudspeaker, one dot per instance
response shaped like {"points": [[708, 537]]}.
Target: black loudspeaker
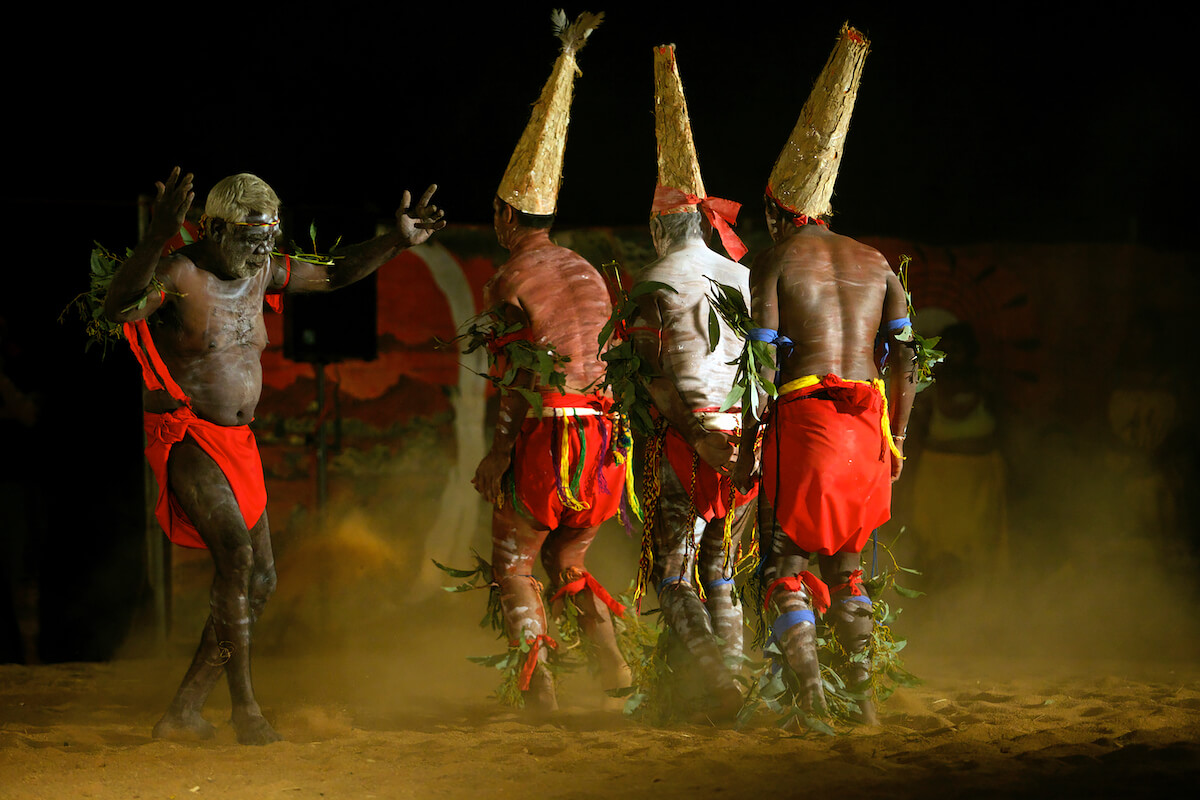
{"points": [[330, 327]]}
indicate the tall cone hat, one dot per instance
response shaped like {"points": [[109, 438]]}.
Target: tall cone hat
{"points": [[804, 174], [531, 180], [678, 167], [680, 187]]}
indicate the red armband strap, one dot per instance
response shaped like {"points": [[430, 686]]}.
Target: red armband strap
{"points": [[499, 343], [274, 299], [656, 332], [813, 586]]}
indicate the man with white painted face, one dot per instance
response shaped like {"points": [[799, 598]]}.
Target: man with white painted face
{"points": [[194, 319]]}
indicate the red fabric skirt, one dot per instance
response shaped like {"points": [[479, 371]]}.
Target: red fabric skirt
{"points": [[826, 468], [232, 448], [594, 478], [711, 495]]}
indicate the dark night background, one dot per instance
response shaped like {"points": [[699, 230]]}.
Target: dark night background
{"points": [[971, 126]]}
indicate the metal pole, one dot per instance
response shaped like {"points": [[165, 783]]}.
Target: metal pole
{"points": [[321, 476], [158, 561]]}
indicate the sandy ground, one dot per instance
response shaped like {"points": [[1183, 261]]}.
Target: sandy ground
{"points": [[1080, 679], [405, 715]]}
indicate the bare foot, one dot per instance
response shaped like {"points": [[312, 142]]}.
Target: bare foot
{"points": [[858, 679], [254, 729], [540, 698], [728, 702], [619, 676], [723, 706], [868, 715], [189, 727]]}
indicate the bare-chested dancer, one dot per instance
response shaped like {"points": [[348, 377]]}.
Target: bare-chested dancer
{"points": [[199, 336], [827, 468], [696, 449], [551, 476], [828, 453], [562, 301]]}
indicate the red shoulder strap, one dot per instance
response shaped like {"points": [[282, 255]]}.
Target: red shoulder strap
{"points": [[275, 298], [154, 371]]}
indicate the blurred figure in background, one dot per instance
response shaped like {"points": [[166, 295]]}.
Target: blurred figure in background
{"points": [[959, 490]]}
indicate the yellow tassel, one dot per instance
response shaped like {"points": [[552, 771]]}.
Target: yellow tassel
{"points": [[631, 490], [564, 470]]}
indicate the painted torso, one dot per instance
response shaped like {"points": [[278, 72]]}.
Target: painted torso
{"points": [[211, 339], [563, 298], [703, 379]]}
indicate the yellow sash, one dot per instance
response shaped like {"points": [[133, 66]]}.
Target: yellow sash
{"points": [[885, 424]]}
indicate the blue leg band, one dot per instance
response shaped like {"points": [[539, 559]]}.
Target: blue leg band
{"points": [[785, 622]]}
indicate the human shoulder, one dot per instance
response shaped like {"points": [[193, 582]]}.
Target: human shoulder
{"points": [[184, 263], [767, 261], [868, 255]]}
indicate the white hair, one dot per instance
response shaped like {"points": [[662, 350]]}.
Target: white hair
{"points": [[238, 196]]}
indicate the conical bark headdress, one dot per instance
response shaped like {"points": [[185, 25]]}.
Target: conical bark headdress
{"points": [[804, 174], [531, 180], [680, 186]]}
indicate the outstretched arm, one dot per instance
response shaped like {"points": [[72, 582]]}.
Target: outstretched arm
{"points": [[132, 280], [902, 370], [714, 447], [414, 225]]}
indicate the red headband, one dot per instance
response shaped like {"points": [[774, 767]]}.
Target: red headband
{"points": [[721, 214]]}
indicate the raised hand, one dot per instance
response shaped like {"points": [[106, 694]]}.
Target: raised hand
{"points": [[171, 205], [416, 225]]}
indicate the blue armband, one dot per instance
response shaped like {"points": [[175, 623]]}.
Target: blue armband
{"points": [[768, 335], [718, 582], [893, 327], [785, 622]]}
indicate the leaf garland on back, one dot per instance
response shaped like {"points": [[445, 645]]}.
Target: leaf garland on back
{"points": [[626, 373], [509, 345]]}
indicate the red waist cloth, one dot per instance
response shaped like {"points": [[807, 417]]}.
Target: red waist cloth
{"points": [[826, 469], [594, 479], [232, 448], [710, 498]]}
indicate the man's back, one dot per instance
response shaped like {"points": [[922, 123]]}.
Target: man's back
{"points": [[702, 378], [831, 296], [565, 301]]}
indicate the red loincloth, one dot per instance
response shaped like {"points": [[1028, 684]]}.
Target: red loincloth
{"points": [[535, 473], [711, 496], [232, 448], [826, 467]]}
